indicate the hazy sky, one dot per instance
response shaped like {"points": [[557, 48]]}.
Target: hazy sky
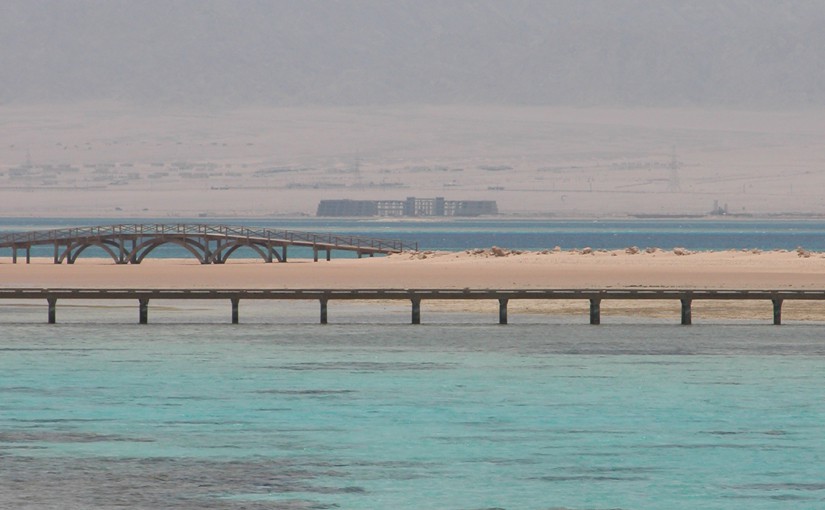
{"points": [[737, 53]]}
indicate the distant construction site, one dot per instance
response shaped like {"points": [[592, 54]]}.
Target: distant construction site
{"points": [[411, 207]]}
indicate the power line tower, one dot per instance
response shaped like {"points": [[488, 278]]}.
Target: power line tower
{"points": [[673, 183], [357, 168]]}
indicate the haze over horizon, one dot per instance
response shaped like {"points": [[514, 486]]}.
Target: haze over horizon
{"points": [[750, 54], [555, 107]]}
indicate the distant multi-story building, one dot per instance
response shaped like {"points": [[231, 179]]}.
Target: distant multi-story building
{"points": [[411, 207]]}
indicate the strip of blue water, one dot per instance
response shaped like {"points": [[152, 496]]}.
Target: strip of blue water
{"points": [[457, 235]]}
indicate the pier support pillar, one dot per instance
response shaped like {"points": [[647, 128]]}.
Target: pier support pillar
{"points": [[502, 310], [686, 315], [56, 252], [595, 311], [14, 255], [52, 310], [235, 301], [28, 254], [329, 254], [144, 310], [777, 311], [314, 254], [324, 310], [416, 310], [283, 254]]}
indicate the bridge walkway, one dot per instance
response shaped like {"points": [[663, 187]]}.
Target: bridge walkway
{"points": [[210, 244]]}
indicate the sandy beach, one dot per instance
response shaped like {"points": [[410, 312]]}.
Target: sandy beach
{"points": [[474, 269], [478, 269]]}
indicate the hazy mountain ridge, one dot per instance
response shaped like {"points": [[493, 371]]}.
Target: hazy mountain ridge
{"points": [[738, 53]]}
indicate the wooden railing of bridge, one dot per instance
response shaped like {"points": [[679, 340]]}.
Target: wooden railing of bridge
{"points": [[210, 244], [415, 297]]}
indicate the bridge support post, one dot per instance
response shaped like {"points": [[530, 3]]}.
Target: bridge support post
{"points": [[56, 252], [777, 311], [144, 310], [121, 251], [416, 310], [14, 255], [283, 254], [28, 254], [314, 254], [595, 311], [329, 254], [52, 309], [324, 310], [235, 302], [502, 310], [208, 254], [686, 314]]}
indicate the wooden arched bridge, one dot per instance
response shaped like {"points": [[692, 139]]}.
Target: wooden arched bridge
{"points": [[210, 244]]}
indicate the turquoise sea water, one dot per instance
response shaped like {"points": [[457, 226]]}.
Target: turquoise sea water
{"points": [[459, 413], [370, 413]]}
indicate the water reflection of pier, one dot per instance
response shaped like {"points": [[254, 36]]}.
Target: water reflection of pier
{"points": [[210, 244], [414, 296]]}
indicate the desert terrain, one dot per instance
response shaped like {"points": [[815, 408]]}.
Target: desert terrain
{"points": [[108, 160]]}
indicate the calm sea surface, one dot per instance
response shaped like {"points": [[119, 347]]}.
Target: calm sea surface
{"points": [[369, 412]]}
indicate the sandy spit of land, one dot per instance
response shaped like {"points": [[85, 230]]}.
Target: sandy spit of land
{"points": [[478, 269]]}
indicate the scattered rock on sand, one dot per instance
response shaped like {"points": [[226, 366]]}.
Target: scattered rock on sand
{"points": [[587, 251], [681, 251], [802, 252], [651, 249], [632, 250], [498, 252]]}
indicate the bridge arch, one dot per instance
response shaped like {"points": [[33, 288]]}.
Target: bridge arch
{"points": [[222, 253], [195, 248], [73, 251], [121, 241]]}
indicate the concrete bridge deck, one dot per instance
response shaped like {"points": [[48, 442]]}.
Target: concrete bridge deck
{"points": [[210, 244], [415, 296]]}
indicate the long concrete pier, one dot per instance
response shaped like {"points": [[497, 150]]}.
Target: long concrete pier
{"points": [[414, 296]]}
